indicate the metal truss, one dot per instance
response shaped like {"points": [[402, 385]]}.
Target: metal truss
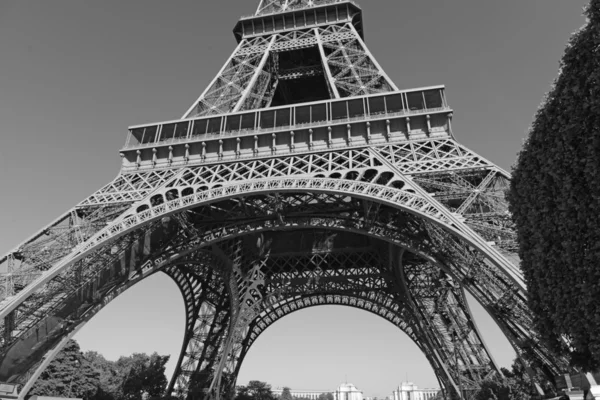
{"points": [[353, 70], [201, 277], [249, 78], [330, 171], [374, 221], [243, 72], [419, 157], [444, 311], [278, 6], [277, 284], [357, 278], [359, 165], [368, 202]]}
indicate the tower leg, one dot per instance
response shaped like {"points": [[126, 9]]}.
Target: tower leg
{"points": [[441, 305], [207, 321]]}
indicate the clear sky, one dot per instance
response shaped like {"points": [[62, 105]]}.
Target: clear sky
{"points": [[75, 73]]}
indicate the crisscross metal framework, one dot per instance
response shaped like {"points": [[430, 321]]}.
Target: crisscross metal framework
{"points": [[265, 199]]}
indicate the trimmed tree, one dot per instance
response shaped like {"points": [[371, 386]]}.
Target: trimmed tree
{"points": [[555, 201]]}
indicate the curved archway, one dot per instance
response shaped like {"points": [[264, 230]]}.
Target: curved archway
{"points": [[405, 199], [186, 279], [315, 347], [409, 230], [278, 311], [337, 275], [148, 317]]}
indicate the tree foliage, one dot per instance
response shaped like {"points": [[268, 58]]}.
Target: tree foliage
{"points": [[91, 376], [492, 389], [255, 390], [515, 385], [286, 394], [555, 201], [110, 379], [68, 375], [502, 389], [521, 384], [326, 396], [143, 375]]}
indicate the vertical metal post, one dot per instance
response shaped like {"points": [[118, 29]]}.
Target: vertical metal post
{"points": [[257, 73], [458, 374], [328, 74], [9, 325], [209, 87]]}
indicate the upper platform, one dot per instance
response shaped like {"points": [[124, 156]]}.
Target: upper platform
{"points": [[398, 116], [278, 6], [275, 16]]}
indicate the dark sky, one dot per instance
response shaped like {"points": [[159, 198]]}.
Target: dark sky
{"points": [[75, 73]]}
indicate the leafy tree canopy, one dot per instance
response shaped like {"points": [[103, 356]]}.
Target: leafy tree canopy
{"points": [[555, 202], [326, 396], [255, 390], [144, 375], [516, 385], [286, 394], [110, 376], [68, 375], [91, 376]]}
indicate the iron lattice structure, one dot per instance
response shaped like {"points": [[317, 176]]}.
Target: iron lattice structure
{"points": [[302, 176]]}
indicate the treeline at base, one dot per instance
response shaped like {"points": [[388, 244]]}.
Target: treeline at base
{"points": [[90, 376]]}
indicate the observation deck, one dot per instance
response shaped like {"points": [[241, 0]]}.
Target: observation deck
{"points": [[305, 127], [300, 16]]}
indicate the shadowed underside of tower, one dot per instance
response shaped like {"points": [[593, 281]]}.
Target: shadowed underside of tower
{"points": [[301, 176]]}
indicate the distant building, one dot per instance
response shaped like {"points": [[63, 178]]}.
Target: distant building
{"points": [[410, 391], [347, 391], [307, 394]]}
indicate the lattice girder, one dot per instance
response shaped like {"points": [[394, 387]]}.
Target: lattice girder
{"points": [[360, 301], [201, 277], [308, 203], [354, 71], [145, 212], [298, 280], [440, 303], [441, 155], [248, 79], [335, 273], [270, 169], [316, 164], [275, 6]]}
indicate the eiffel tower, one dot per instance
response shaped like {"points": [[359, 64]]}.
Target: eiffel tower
{"points": [[302, 176]]}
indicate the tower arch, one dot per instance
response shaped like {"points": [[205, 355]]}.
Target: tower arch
{"points": [[380, 224], [321, 311]]}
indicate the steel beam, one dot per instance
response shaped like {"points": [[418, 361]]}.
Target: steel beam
{"points": [[190, 112], [330, 80], [259, 69]]}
